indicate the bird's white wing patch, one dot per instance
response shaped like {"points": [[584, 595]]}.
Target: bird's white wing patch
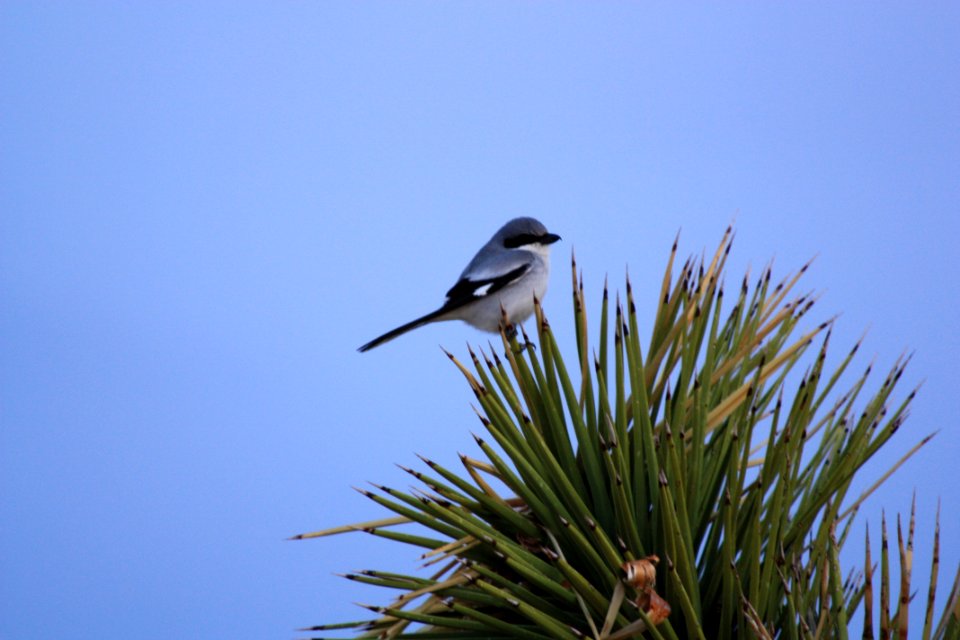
{"points": [[482, 290]]}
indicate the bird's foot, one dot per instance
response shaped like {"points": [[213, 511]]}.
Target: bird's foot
{"points": [[512, 334], [524, 346]]}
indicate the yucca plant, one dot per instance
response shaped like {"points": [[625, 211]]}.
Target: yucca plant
{"points": [[723, 449]]}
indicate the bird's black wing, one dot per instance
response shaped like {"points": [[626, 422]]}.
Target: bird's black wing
{"points": [[467, 290]]}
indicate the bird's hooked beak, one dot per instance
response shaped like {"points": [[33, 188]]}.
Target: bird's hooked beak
{"points": [[549, 238]]}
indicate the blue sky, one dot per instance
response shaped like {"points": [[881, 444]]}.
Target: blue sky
{"points": [[205, 209]]}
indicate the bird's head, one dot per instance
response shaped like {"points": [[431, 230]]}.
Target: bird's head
{"points": [[525, 233]]}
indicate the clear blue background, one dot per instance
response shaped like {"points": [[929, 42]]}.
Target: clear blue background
{"points": [[206, 207]]}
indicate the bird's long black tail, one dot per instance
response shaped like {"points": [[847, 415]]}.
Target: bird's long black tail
{"points": [[399, 331]]}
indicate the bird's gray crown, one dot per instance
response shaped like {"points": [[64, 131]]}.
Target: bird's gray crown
{"points": [[521, 226], [523, 231]]}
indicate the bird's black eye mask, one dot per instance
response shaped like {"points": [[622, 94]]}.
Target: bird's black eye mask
{"points": [[524, 239]]}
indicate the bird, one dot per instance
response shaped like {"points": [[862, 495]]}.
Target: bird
{"points": [[505, 276]]}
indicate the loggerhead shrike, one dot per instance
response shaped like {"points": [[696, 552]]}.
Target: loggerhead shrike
{"points": [[507, 272]]}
